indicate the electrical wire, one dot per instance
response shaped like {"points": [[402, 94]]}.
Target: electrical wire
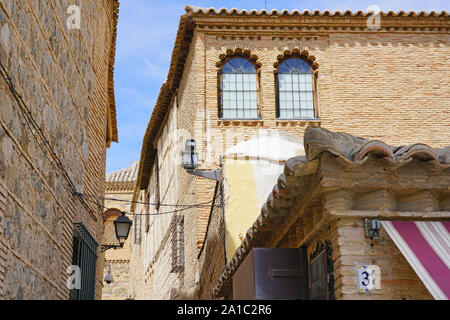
{"points": [[154, 214], [140, 202]]}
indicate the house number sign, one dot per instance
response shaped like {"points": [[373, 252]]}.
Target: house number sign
{"points": [[368, 278]]}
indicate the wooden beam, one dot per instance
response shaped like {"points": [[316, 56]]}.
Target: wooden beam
{"points": [[296, 211], [391, 215]]}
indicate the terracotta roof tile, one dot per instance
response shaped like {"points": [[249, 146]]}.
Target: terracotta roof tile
{"points": [[315, 12], [123, 175], [298, 172]]}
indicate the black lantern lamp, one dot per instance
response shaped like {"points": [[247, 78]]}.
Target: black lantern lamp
{"points": [[122, 226]]}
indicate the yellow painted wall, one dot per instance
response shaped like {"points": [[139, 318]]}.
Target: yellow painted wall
{"points": [[241, 211]]}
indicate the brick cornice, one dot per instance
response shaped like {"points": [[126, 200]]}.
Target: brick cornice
{"points": [[280, 21], [118, 261], [280, 27], [120, 187]]}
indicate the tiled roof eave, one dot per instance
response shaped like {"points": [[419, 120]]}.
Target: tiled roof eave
{"points": [[346, 148], [112, 57], [179, 54], [121, 187], [307, 13], [126, 175], [315, 20]]}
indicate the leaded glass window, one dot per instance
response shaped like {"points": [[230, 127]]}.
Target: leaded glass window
{"points": [[295, 90], [238, 90]]}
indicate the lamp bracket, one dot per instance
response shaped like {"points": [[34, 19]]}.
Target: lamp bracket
{"points": [[111, 246], [208, 174]]}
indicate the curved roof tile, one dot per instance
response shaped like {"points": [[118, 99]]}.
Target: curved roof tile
{"points": [[306, 12], [298, 172], [123, 175]]}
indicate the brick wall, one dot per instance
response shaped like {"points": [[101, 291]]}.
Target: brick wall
{"points": [[151, 261], [212, 257], [119, 289], [361, 79], [379, 85], [62, 76], [365, 88], [189, 97], [350, 246]]}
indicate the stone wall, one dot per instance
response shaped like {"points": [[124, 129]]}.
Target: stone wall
{"points": [[63, 77], [119, 289]]}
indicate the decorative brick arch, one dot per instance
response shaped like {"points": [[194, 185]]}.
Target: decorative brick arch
{"points": [[243, 50], [296, 52], [111, 214]]}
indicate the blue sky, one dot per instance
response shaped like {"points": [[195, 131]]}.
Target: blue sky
{"points": [[146, 34]]}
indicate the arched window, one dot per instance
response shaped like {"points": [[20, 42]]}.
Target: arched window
{"points": [[238, 90], [295, 90]]}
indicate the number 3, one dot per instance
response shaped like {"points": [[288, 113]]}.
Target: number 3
{"points": [[365, 281]]}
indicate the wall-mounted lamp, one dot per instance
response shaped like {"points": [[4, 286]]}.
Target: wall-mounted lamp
{"points": [[190, 163], [190, 157], [122, 226], [372, 228]]}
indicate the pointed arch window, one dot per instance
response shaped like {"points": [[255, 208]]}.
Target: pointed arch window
{"points": [[238, 90], [295, 90]]}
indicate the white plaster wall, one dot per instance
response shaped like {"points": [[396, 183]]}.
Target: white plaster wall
{"points": [[267, 152]]}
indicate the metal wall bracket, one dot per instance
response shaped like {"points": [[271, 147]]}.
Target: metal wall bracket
{"points": [[111, 246], [208, 174]]}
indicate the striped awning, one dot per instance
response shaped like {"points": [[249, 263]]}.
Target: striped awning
{"points": [[426, 246]]}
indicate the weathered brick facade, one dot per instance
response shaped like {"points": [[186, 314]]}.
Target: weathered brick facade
{"points": [[398, 279], [65, 78], [388, 84], [325, 197], [118, 194]]}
